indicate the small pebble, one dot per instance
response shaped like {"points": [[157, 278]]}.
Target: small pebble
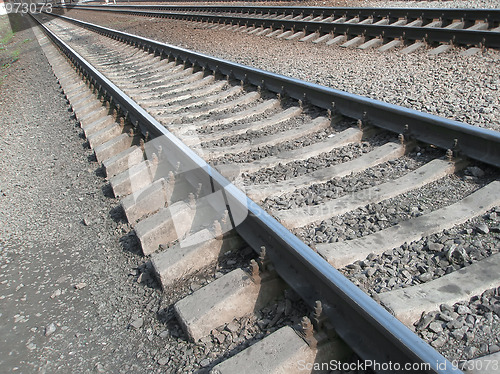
{"points": [[137, 323], [80, 285], [50, 329]]}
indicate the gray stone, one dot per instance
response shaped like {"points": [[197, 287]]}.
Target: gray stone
{"points": [[475, 171], [435, 247], [137, 323], [494, 348], [425, 321], [229, 337], [422, 268], [445, 308], [469, 336], [80, 285], [219, 337], [425, 277], [56, 293], [445, 317], [405, 273], [483, 348], [391, 282], [195, 286], [438, 342], [488, 316], [470, 320], [50, 329], [482, 228], [164, 334], [163, 361], [458, 334], [205, 362], [462, 309], [232, 327], [470, 352], [486, 329], [455, 324], [370, 272], [496, 309], [436, 327]]}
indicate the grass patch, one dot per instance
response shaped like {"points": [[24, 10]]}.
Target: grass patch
{"points": [[9, 52], [7, 38], [6, 33], [15, 54], [12, 43]]}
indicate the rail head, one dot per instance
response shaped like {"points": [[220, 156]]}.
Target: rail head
{"points": [[373, 332]]}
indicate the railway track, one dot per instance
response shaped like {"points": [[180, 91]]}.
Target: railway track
{"points": [[347, 175], [362, 28]]}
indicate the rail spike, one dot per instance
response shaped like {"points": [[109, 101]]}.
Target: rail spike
{"points": [[171, 178], [192, 200], [455, 149], [263, 259], [225, 221], [449, 155], [307, 332], [255, 271], [154, 159], [401, 139], [333, 113], [317, 315], [177, 167], [244, 81], [218, 233]]}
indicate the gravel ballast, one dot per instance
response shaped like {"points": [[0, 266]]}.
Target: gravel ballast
{"points": [[284, 171], [428, 258], [465, 330], [375, 217], [339, 187], [449, 85]]}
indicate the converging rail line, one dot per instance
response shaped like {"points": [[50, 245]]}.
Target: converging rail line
{"points": [[348, 27], [181, 135]]}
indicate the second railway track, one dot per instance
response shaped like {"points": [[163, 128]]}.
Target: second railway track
{"points": [[363, 28], [349, 178]]}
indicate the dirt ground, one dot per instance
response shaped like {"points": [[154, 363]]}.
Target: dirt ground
{"points": [[68, 287]]}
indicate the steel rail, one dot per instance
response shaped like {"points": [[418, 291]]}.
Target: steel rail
{"points": [[367, 327], [464, 37]]}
